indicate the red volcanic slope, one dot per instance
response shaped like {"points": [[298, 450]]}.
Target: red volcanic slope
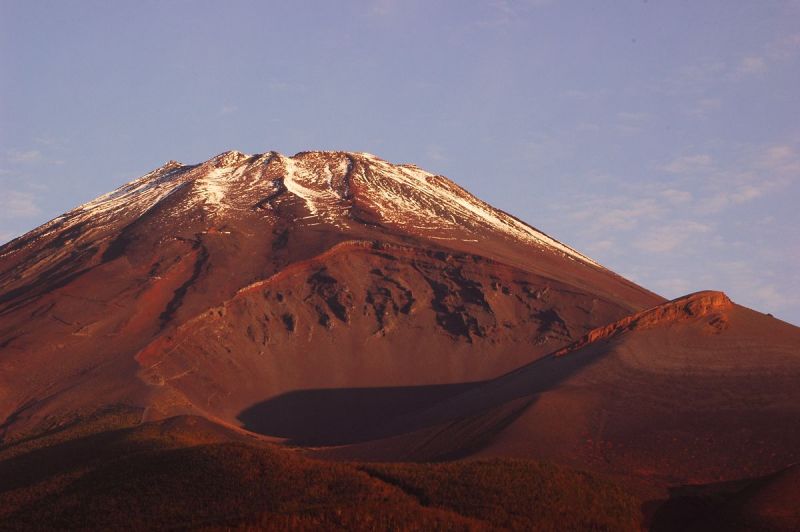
{"points": [[696, 390], [372, 311], [216, 288]]}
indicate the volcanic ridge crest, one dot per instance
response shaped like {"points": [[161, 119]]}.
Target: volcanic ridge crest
{"points": [[691, 306]]}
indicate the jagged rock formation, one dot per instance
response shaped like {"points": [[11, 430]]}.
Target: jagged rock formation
{"points": [[693, 306]]}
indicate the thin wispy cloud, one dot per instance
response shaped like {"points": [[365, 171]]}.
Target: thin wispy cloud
{"points": [[51, 141], [381, 8], [677, 196], [784, 47], [751, 65], [759, 172], [706, 75], [584, 95], [24, 156], [604, 215], [774, 53], [52, 153], [782, 160], [436, 154], [228, 109], [693, 79], [15, 204], [778, 154], [542, 150], [773, 297], [684, 226], [737, 196], [762, 287], [667, 238], [673, 286], [689, 164], [704, 107], [602, 246], [698, 185], [285, 86], [587, 127], [631, 122], [506, 12]]}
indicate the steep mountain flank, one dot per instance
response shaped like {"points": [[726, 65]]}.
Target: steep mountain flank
{"points": [[211, 288], [695, 390]]}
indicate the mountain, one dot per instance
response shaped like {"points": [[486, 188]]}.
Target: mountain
{"points": [[696, 390], [210, 288], [313, 315]]}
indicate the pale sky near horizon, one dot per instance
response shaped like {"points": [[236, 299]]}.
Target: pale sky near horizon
{"points": [[661, 138]]}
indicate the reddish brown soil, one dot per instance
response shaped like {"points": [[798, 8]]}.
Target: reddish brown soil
{"points": [[697, 390], [367, 333], [179, 309], [186, 472]]}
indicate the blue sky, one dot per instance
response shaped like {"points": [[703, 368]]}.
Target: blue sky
{"points": [[662, 138]]}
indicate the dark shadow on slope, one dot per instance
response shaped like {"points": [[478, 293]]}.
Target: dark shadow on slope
{"points": [[103, 437], [769, 502], [37, 465], [353, 415], [341, 415], [58, 275]]}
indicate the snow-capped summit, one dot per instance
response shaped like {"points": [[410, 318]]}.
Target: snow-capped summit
{"points": [[332, 188]]}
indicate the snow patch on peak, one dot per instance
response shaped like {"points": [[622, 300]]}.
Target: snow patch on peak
{"points": [[412, 198], [331, 186], [147, 189], [212, 189], [265, 157], [294, 184], [311, 180], [229, 158]]}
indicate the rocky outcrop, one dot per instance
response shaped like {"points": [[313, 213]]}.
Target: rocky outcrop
{"points": [[693, 306]]}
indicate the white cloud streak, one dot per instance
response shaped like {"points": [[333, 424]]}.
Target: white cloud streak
{"points": [[668, 238], [16, 204], [24, 156]]}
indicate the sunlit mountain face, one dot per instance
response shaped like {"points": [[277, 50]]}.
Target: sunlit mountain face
{"points": [[312, 314]]}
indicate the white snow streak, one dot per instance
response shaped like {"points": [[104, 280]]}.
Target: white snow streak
{"points": [[403, 196], [294, 184], [212, 189]]}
